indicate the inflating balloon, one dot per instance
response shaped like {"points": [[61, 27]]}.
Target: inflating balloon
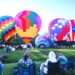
{"points": [[7, 28], [71, 35], [59, 29], [41, 37], [45, 40], [28, 24]]}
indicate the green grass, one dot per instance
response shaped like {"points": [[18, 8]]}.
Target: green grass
{"points": [[37, 56], [8, 68]]}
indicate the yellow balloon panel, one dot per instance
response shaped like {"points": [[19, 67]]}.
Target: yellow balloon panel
{"points": [[31, 32]]}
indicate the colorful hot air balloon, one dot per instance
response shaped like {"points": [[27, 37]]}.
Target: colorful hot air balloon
{"points": [[7, 28], [71, 35], [28, 24], [59, 28], [41, 37], [44, 41]]}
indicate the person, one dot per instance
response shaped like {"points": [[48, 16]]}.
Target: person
{"points": [[26, 66], [26, 60], [1, 68], [29, 46], [43, 69], [7, 48], [49, 64], [63, 61], [71, 63]]}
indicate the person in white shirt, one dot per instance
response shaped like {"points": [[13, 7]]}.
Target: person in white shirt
{"points": [[44, 66]]}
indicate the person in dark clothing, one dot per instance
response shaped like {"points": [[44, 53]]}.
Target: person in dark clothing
{"points": [[53, 68], [7, 48]]}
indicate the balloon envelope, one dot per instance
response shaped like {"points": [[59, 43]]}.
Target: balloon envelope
{"points": [[28, 24], [41, 37], [7, 28], [44, 39], [71, 35], [59, 29]]}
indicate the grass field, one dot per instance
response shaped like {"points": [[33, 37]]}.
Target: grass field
{"points": [[38, 56]]}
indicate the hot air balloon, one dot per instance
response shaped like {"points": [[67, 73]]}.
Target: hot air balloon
{"points": [[42, 37], [71, 35], [59, 29], [7, 29], [44, 41], [28, 24]]}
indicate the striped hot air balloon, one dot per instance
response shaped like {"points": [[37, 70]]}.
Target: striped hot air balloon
{"points": [[71, 35], [7, 29]]}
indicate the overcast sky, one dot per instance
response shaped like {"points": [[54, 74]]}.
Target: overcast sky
{"points": [[46, 9]]}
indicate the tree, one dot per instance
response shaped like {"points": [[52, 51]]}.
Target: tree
{"points": [[17, 41], [33, 41]]}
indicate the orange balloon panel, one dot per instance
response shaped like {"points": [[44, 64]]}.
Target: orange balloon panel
{"points": [[26, 40]]}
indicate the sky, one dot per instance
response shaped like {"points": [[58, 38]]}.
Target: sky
{"points": [[46, 9]]}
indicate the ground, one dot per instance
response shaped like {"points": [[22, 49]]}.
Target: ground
{"points": [[38, 56]]}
